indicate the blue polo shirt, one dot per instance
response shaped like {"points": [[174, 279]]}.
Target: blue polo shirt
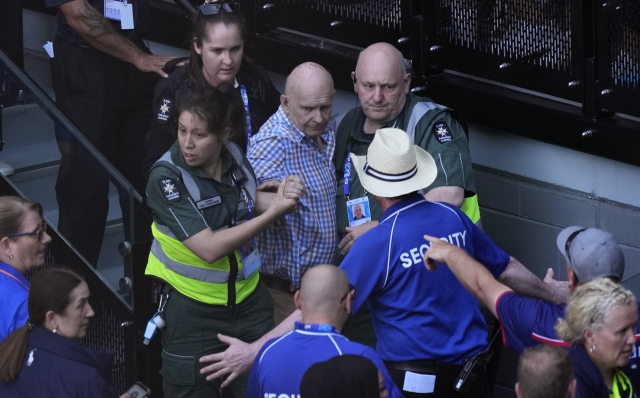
{"points": [[417, 314], [281, 363], [527, 322], [14, 292]]}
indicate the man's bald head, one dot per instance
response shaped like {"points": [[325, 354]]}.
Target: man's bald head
{"points": [[382, 83], [307, 98], [323, 293], [383, 52]]}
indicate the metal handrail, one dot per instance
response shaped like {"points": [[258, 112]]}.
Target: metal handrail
{"points": [[49, 107]]}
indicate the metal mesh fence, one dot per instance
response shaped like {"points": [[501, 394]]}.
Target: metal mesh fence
{"points": [[385, 13], [537, 32], [623, 43]]}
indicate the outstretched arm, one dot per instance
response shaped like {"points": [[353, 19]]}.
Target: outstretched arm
{"points": [[97, 31], [471, 274], [239, 357], [524, 282]]}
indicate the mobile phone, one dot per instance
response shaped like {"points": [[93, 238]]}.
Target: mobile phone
{"points": [[139, 390]]}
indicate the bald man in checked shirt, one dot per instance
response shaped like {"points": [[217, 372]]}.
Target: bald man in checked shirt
{"points": [[298, 140]]}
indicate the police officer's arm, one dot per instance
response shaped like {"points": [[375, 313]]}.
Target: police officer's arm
{"points": [[452, 195], [97, 31], [211, 246], [239, 357], [471, 274]]}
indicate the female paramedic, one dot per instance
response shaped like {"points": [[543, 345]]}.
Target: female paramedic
{"points": [[202, 193], [216, 56]]}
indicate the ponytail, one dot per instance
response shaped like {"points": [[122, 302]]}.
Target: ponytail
{"points": [[12, 352]]}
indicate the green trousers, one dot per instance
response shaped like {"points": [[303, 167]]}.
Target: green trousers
{"points": [[191, 332]]}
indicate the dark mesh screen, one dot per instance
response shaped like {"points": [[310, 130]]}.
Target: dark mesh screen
{"points": [[624, 45], [385, 13], [105, 334], [532, 31]]}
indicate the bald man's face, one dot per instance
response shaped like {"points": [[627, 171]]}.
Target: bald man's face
{"points": [[381, 87], [308, 105]]}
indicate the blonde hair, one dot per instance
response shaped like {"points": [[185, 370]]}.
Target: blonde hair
{"points": [[589, 306]]}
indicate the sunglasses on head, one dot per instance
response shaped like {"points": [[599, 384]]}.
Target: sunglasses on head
{"points": [[212, 7]]}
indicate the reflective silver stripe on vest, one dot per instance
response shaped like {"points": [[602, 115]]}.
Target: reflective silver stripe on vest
{"points": [[191, 272], [190, 182], [417, 113]]}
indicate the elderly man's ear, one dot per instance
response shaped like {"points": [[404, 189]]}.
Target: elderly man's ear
{"points": [[284, 101]]}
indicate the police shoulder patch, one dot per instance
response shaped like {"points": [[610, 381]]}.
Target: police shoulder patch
{"points": [[169, 189], [442, 132]]}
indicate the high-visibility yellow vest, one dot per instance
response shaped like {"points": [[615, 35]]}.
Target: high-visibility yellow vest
{"points": [[471, 208], [622, 387], [171, 261]]}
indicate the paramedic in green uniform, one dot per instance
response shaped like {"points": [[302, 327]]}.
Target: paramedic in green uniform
{"points": [[206, 213]]}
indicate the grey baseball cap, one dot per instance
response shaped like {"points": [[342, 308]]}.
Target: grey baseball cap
{"points": [[592, 253]]}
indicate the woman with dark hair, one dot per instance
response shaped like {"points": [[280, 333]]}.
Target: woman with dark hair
{"points": [[41, 358], [206, 213], [23, 241], [216, 56], [343, 376]]}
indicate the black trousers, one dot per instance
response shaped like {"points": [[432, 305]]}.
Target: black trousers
{"points": [[446, 375], [110, 102]]}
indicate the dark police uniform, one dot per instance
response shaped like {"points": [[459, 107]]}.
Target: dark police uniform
{"points": [[206, 299], [109, 101], [169, 92]]}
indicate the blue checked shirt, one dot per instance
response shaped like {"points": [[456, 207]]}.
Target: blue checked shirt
{"points": [[306, 237]]}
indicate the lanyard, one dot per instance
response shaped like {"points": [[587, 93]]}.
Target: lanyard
{"points": [[14, 278], [245, 100], [247, 202], [347, 173], [316, 327]]}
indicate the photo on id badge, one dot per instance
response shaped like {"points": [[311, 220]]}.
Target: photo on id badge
{"points": [[358, 211], [250, 257]]}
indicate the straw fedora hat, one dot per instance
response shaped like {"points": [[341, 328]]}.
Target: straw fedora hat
{"points": [[393, 166]]}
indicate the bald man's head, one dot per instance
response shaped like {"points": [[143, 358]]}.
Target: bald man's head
{"points": [[307, 98], [382, 83], [323, 294]]}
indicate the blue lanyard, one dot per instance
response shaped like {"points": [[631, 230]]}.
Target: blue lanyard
{"points": [[245, 100], [247, 201], [320, 327], [347, 173]]}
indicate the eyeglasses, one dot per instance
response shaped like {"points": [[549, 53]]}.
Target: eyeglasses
{"points": [[211, 7], [352, 292], [567, 245], [39, 233]]}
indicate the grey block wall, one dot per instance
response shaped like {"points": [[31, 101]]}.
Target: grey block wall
{"points": [[524, 216]]}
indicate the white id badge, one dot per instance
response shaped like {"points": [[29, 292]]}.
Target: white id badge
{"points": [[126, 15], [250, 258], [358, 211], [112, 9], [421, 384]]}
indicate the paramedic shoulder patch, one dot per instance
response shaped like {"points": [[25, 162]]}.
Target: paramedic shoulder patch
{"points": [[442, 132], [169, 189]]}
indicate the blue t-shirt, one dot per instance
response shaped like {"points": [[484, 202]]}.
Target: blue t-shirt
{"points": [[14, 288], [527, 322], [281, 363], [417, 314]]}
